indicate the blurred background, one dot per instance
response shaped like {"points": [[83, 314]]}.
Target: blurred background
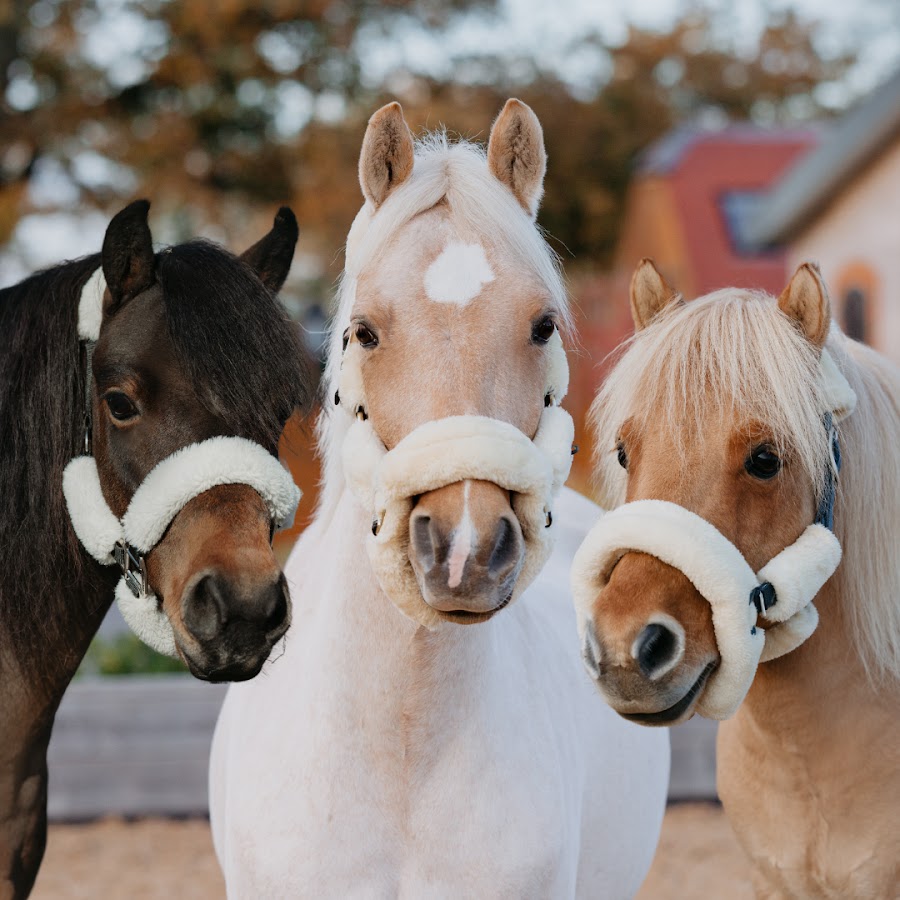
{"points": [[729, 140]]}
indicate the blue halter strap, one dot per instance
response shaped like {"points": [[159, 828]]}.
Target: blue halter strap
{"points": [[825, 512], [763, 596]]}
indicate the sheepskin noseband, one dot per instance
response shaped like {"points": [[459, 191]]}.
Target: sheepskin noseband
{"points": [[166, 490], [445, 451], [720, 573], [781, 594], [169, 487]]}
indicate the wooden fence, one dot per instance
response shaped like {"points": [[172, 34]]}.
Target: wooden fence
{"points": [[140, 746]]}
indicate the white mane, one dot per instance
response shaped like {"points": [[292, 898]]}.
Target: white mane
{"points": [[868, 518], [479, 206], [733, 352]]}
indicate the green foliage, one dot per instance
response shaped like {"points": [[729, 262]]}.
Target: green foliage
{"points": [[126, 655]]}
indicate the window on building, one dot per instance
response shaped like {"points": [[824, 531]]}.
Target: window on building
{"points": [[738, 208], [854, 317]]}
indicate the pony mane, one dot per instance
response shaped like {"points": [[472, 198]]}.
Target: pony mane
{"points": [[736, 353], [867, 518], [732, 352], [217, 311], [479, 206], [41, 428]]}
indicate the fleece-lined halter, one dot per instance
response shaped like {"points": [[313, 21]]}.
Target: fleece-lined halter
{"points": [[445, 451], [166, 490], [781, 593]]}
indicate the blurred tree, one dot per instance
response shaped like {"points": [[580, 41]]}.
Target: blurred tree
{"points": [[225, 110], [691, 73], [656, 81], [185, 100]]}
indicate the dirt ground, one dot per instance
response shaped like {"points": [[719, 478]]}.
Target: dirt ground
{"points": [[162, 859]]}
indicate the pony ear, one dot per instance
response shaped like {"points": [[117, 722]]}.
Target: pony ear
{"points": [[805, 302], [649, 294], [127, 256], [386, 159], [516, 154], [271, 256]]}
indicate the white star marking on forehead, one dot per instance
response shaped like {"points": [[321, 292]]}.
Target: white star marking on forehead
{"points": [[458, 274]]}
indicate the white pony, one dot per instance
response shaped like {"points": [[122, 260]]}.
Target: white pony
{"points": [[392, 751]]}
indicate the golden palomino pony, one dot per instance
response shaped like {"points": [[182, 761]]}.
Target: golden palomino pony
{"points": [[428, 731], [750, 569]]}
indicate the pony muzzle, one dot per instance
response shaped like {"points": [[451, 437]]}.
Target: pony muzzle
{"points": [[756, 616], [445, 452], [466, 548]]}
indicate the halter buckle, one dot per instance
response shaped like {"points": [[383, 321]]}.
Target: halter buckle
{"points": [[763, 597], [131, 562]]}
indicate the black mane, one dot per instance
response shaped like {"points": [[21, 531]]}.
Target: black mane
{"points": [[41, 428], [217, 311]]}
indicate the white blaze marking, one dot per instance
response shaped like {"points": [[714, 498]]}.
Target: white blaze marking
{"points": [[458, 274], [462, 543]]}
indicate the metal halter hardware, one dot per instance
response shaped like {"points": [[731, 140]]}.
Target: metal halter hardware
{"points": [[763, 597], [129, 560]]}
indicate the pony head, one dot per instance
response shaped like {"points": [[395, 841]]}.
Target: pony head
{"points": [[451, 306], [716, 406], [193, 344]]}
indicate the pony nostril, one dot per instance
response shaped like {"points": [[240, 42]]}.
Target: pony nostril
{"points": [[204, 607], [272, 604], [423, 545], [214, 605], [655, 649], [505, 553], [275, 604]]}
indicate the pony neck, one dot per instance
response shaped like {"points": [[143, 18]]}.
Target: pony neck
{"points": [[374, 646]]}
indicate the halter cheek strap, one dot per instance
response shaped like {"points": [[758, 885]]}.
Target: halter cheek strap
{"points": [[445, 451], [166, 490]]}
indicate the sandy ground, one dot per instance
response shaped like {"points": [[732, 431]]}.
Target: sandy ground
{"points": [[698, 858], [161, 859]]}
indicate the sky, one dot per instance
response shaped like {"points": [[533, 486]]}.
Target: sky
{"points": [[545, 29]]}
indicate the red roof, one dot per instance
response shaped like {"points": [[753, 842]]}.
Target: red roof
{"points": [[735, 161]]}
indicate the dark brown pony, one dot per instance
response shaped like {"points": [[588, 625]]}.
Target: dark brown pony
{"points": [[193, 344]]}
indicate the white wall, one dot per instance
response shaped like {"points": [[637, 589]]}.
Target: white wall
{"points": [[862, 225]]}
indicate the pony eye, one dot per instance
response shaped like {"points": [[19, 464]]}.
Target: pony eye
{"points": [[120, 406], [621, 455], [763, 463], [542, 330], [365, 335]]}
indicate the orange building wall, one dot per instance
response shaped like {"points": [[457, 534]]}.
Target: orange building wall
{"points": [[653, 228]]}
